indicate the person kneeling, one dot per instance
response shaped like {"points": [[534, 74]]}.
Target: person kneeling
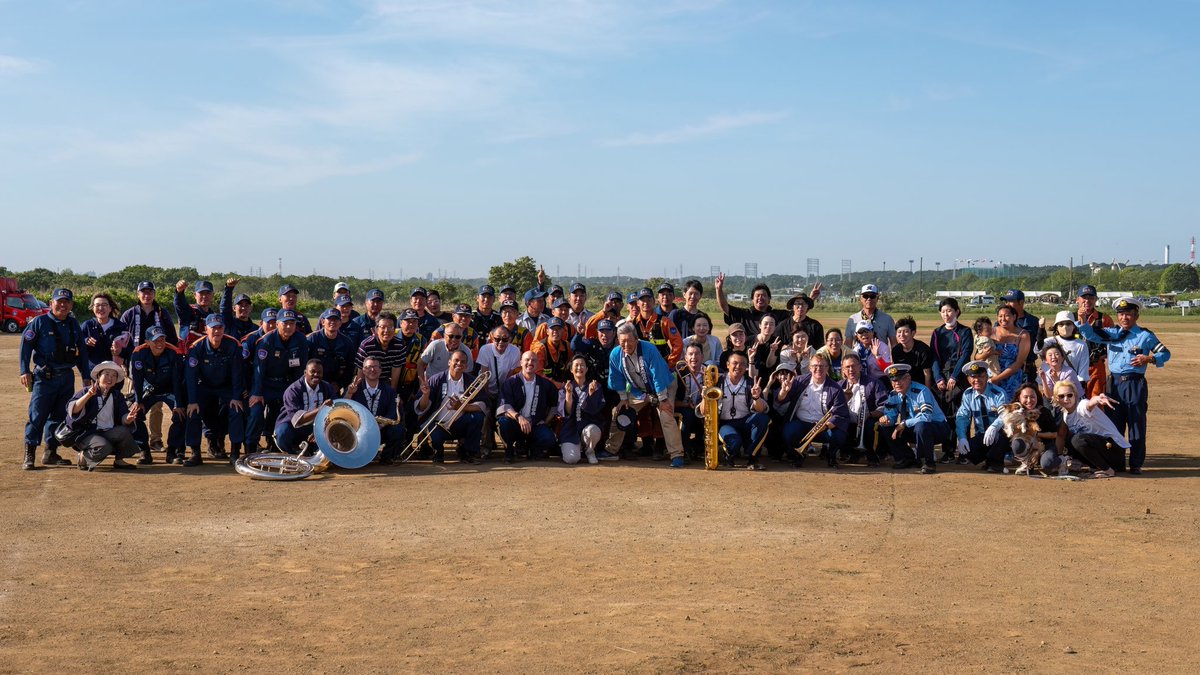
{"points": [[103, 420], [528, 402], [301, 402], [743, 419], [455, 418], [820, 401], [980, 408], [581, 408]]}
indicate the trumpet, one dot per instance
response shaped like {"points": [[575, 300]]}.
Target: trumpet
{"points": [[710, 400], [423, 436], [814, 432]]}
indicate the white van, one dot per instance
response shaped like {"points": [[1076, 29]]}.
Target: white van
{"points": [[982, 300]]}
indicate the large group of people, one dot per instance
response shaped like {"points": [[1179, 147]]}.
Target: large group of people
{"points": [[633, 379]]}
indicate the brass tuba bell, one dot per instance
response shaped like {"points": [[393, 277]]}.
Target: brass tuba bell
{"points": [[347, 434]]}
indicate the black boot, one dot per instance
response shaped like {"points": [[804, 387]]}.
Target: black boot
{"points": [[235, 451], [195, 459], [50, 458], [146, 458], [30, 451]]}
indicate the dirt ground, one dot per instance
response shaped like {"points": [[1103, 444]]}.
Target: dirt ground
{"points": [[628, 567]]}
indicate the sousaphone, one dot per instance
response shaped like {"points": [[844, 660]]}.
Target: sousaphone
{"points": [[347, 435]]}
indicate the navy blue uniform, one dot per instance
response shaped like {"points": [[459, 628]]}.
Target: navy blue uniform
{"points": [[158, 379], [337, 357], [353, 331], [191, 318], [139, 322], [302, 325], [214, 378], [234, 327], [55, 347], [363, 327], [427, 324], [277, 364], [102, 350]]}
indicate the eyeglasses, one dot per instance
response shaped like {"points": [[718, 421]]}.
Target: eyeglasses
{"points": [[453, 337], [1065, 397]]}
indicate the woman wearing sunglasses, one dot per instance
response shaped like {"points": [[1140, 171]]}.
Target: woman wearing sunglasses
{"points": [[1088, 432]]}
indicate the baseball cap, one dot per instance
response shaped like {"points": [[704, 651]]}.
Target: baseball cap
{"points": [[560, 303], [736, 328], [578, 288], [145, 286], [288, 288], [869, 289], [615, 296], [374, 294], [1013, 295], [486, 289], [155, 333], [509, 304], [418, 291], [341, 286], [462, 308], [507, 288], [344, 300], [555, 323], [331, 314], [1087, 291], [862, 325], [62, 294], [269, 314], [556, 290], [242, 298], [666, 287], [215, 319], [286, 315], [606, 324], [534, 294], [633, 297], [645, 293], [409, 314], [204, 287]]}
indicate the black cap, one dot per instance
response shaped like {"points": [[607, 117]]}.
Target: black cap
{"points": [[486, 289], [509, 304], [645, 293], [666, 287], [288, 288], [1087, 291], [409, 314], [463, 309], [418, 291], [578, 288]]}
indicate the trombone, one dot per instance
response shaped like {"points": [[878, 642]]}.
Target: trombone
{"points": [[425, 434]]}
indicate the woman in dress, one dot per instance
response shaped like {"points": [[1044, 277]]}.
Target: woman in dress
{"points": [[1012, 346]]}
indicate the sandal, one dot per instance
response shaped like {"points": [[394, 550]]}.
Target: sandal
{"points": [[1104, 474]]}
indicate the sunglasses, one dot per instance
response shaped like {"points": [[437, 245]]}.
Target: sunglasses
{"points": [[453, 337], [501, 340], [870, 296], [1065, 397]]}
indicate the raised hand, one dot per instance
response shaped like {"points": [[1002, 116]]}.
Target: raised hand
{"points": [[231, 282], [181, 286]]}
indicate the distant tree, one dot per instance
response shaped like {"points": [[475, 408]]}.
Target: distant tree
{"points": [[521, 273], [1179, 278]]}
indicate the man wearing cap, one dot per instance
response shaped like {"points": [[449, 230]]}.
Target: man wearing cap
{"points": [[980, 407], [342, 290], [553, 352], [799, 321], [508, 318], [148, 313], [885, 327], [535, 305], [51, 346], [1030, 324], [348, 326], [287, 300], [236, 311], [214, 388], [611, 311], [485, 318], [578, 316], [507, 294], [872, 351], [562, 310], [301, 402], [279, 359], [666, 299], [433, 305], [100, 413], [448, 387], [642, 378], [1130, 349], [333, 350], [656, 326], [383, 346], [365, 322], [436, 356], [463, 318], [912, 415], [377, 396], [683, 317], [528, 401], [191, 317], [267, 322], [751, 317], [1097, 372], [427, 323], [157, 374]]}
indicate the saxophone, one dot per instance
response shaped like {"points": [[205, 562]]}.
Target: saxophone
{"points": [[710, 400]]}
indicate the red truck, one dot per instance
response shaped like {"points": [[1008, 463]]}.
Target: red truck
{"points": [[17, 308]]}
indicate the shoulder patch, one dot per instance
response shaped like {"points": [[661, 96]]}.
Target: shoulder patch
{"points": [[137, 365], [262, 354], [674, 331], [193, 361], [30, 334]]}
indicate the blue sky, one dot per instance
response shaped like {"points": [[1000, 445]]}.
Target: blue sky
{"points": [[453, 134]]}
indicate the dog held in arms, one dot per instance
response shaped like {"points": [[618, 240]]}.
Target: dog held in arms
{"points": [[1021, 427]]}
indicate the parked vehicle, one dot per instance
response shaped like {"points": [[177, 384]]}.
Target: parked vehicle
{"points": [[17, 307], [982, 300]]}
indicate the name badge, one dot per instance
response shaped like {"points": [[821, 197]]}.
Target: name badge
{"points": [[293, 362]]}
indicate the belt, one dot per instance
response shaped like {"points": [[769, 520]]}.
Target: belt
{"points": [[1128, 377]]}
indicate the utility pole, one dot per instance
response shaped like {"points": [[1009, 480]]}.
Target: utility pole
{"points": [[281, 268], [921, 277]]}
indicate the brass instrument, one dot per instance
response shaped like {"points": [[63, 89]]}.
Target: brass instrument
{"points": [[346, 435], [862, 414], [710, 401], [814, 432], [423, 436]]}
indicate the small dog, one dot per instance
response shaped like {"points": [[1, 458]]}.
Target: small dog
{"points": [[1021, 424]]}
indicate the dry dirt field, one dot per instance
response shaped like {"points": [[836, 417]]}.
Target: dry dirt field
{"points": [[630, 567]]}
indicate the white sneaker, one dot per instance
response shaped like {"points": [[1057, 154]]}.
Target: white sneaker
{"points": [[591, 457], [1023, 470]]}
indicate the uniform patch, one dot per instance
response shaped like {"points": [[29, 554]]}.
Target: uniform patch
{"points": [[193, 362], [262, 354], [30, 335], [137, 365]]}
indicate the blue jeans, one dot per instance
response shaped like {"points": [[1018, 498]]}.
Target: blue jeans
{"points": [[468, 429], [744, 437], [539, 441]]}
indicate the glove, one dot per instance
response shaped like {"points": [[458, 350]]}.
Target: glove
{"points": [[989, 437], [963, 446]]}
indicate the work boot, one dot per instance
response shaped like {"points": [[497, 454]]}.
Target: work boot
{"points": [[50, 458], [216, 448], [195, 459], [146, 458], [30, 451], [235, 451]]}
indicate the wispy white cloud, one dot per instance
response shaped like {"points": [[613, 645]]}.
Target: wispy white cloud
{"points": [[13, 65], [713, 126]]}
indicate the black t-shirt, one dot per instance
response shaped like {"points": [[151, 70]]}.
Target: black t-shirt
{"points": [[750, 318], [920, 358]]}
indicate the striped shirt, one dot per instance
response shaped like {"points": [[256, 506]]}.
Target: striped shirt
{"points": [[389, 359]]}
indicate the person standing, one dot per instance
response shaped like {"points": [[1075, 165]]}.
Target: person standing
{"points": [[884, 325], [104, 335], [214, 392], [279, 359], [51, 346], [912, 351], [191, 317], [287, 300], [333, 350], [1097, 374], [642, 379]]}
